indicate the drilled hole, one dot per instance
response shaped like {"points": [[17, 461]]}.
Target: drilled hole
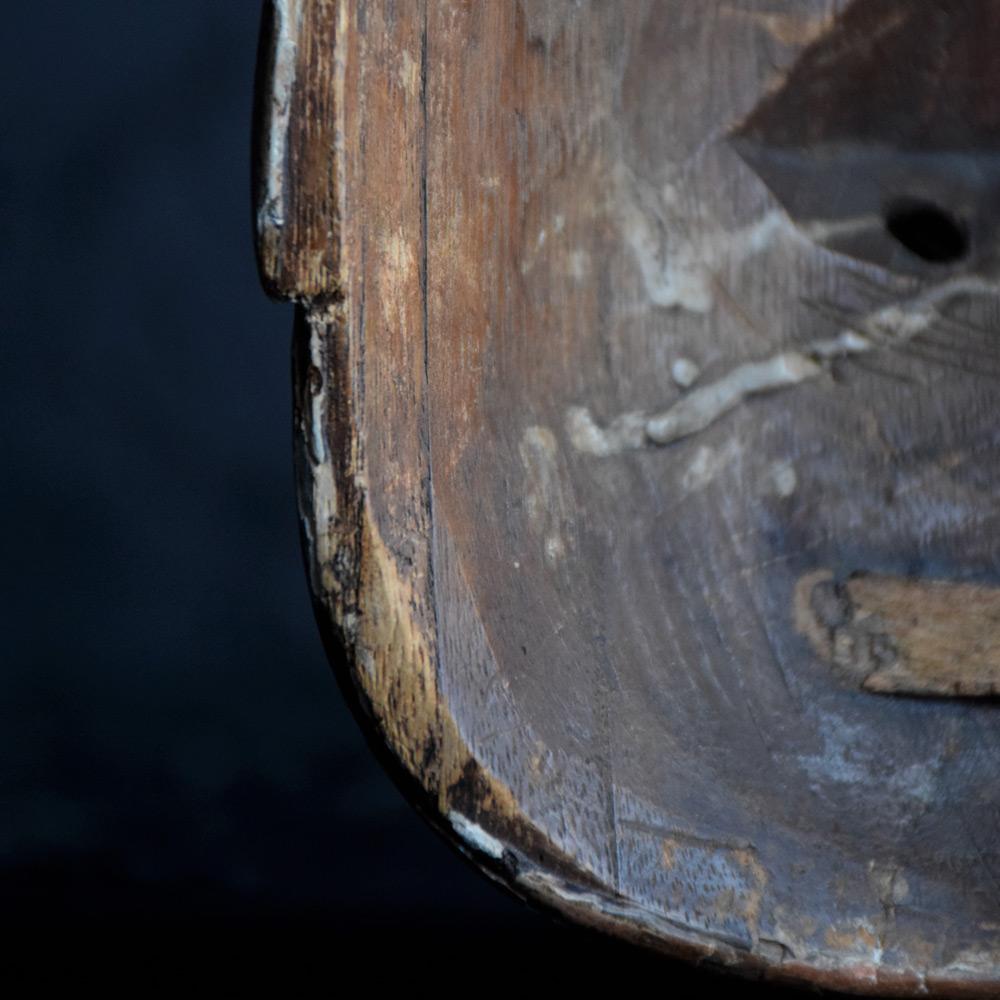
{"points": [[929, 232]]}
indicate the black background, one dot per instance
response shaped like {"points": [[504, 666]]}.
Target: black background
{"points": [[178, 766]]}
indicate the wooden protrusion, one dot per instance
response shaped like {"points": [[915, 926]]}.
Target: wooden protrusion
{"points": [[296, 188], [898, 635]]}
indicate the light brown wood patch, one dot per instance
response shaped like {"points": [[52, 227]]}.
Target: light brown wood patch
{"points": [[899, 635]]}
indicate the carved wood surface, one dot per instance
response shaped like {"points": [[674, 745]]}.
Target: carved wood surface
{"points": [[646, 417]]}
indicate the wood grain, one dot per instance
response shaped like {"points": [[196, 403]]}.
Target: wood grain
{"points": [[896, 635], [531, 244]]}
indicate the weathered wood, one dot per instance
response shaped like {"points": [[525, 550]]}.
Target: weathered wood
{"points": [[297, 207], [646, 416], [894, 635]]}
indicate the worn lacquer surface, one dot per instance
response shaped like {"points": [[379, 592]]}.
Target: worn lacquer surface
{"points": [[589, 406]]}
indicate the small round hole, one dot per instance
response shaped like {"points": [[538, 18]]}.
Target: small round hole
{"points": [[929, 232]]}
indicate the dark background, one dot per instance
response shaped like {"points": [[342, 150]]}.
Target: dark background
{"points": [[177, 762]]}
